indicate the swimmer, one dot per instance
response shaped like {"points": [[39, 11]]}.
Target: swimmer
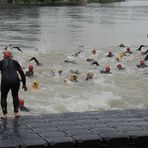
{"points": [[119, 66], [139, 49], [22, 107], [95, 63], [94, 51], [142, 64], [35, 85], [89, 76], [74, 78], [80, 49], [122, 45], [30, 71], [128, 50], [36, 61], [110, 54], [106, 71]]}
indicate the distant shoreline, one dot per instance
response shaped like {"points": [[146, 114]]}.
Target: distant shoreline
{"points": [[54, 2]]}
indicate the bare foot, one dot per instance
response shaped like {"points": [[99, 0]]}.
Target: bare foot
{"points": [[17, 115], [4, 117]]}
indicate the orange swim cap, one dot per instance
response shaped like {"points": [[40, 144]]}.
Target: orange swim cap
{"points": [[7, 54]]}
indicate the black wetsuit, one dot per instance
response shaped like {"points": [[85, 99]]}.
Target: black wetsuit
{"points": [[142, 66], [10, 80], [146, 58]]}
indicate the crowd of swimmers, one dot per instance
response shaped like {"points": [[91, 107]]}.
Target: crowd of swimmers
{"points": [[74, 73]]}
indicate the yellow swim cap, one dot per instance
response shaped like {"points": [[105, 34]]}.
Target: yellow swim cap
{"points": [[73, 77], [35, 84], [117, 58]]}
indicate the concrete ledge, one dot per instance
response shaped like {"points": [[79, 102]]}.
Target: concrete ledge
{"points": [[108, 129]]}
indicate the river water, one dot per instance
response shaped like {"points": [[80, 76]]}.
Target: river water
{"points": [[53, 33]]}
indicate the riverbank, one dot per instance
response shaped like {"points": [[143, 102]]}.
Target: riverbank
{"points": [[109, 129], [54, 2]]}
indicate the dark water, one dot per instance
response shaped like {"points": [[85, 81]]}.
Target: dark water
{"points": [[62, 28]]}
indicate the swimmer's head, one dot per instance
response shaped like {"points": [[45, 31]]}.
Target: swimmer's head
{"points": [[110, 53], [93, 51], [142, 62], [119, 66], [7, 54], [35, 85], [128, 49], [107, 69], [30, 67], [73, 77]]}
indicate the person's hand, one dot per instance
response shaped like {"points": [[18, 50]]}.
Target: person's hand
{"points": [[24, 87]]}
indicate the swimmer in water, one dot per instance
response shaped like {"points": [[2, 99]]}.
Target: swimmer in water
{"points": [[128, 50], [30, 71], [89, 76], [106, 71], [110, 54], [36, 61], [119, 66], [142, 64]]}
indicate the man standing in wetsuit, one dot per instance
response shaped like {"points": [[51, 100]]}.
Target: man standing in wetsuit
{"points": [[10, 81]]}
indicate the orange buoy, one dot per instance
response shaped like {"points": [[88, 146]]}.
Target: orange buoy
{"points": [[21, 102]]}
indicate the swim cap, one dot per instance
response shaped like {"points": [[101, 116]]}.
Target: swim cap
{"points": [[119, 66], [35, 85], [117, 58], [30, 67], [94, 51], [107, 69], [21, 102], [7, 54], [142, 62], [110, 53], [73, 77], [128, 49]]}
